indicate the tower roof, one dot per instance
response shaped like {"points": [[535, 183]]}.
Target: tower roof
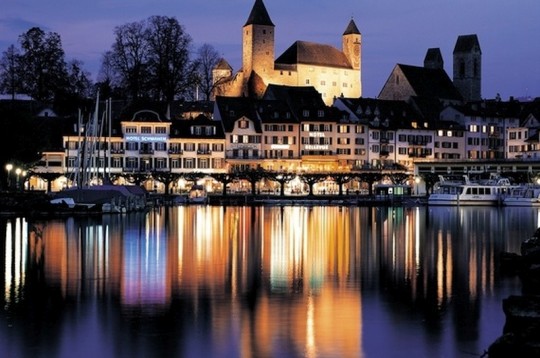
{"points": [[259, 15], [351, 29], [466, 43]]}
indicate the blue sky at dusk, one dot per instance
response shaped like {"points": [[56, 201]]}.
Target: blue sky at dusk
{"points": [[394, 31]]}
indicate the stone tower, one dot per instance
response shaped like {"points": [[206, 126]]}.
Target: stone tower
{"points": [[258, 42], [434, 59], [352, 48], [468, 67], [352, 45]]}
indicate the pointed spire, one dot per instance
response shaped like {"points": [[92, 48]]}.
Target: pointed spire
{"points": [[259, 15], [351, 28]]}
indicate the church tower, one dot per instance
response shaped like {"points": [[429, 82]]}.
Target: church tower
{"points": [[258, 42], [352, 47], [468, 67]]}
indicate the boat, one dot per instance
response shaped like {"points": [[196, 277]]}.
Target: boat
{"points": [[87, 191], [526, 195], [466, 192], [111, 198], [197, 195]]}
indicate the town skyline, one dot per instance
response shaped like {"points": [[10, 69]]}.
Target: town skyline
{"points": [[510, 59]]}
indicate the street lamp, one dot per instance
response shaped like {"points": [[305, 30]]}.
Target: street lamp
{"points": [[18, 172], [416, 182], [8, 168], [24, 178]]}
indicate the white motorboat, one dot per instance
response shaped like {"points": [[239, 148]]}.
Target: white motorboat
{"points": [[466, 192], [526, 195]]}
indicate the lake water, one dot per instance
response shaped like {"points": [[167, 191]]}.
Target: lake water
{"points": [[211, 281]]}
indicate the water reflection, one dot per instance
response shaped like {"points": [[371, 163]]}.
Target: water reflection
{"points": [[259, 282]]}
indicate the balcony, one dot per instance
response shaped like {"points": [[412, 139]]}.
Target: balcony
{"points": [[117, 151], [146, 151], [175, 151], [204, 152]]}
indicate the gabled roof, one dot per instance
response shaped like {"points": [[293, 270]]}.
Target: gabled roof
{"points": [[430, 82], [467, 43], [232, 109], [259, 15], [295, 96], [351, 29], [182, 128], [380, 113], [302, 100], [309, 53]]}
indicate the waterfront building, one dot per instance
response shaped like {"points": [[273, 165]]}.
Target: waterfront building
{"points": [[333, 72], [487, 124]]}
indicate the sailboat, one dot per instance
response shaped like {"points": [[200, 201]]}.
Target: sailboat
{"points": [[86, 192]]}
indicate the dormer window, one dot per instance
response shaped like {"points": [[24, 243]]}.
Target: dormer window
{"points": [[305, 113], [320, 113], [243, 124]]}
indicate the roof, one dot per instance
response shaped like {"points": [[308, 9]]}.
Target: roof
{"points": [[466, 43], [430, 82], [433, 58], [182, 128], [351, 29], [223, 65], [303, 52], [232, 109], [259, 15]]}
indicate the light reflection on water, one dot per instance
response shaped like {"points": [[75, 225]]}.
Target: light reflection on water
{"points": [[259, 282]]}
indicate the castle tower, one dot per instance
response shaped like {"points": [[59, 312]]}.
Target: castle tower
{"points": [[434, 59], [352, 45], [352, 48], [258, 42], [468, 67]]}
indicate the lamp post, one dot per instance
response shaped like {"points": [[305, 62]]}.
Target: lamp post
{"points": [[416, 182], [24, 172], [8, 168], [17, 172]]}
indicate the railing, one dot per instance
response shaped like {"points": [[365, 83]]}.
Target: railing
{"points": [[146, 151], [176, 151]]}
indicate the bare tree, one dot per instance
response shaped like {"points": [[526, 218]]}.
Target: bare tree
{"points": [[170, 67], [10, 74], [42, 61], [129, 57], [206, 61], [151, 59]]}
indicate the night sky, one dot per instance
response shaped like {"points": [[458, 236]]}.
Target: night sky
{"points": [[394, 31]]}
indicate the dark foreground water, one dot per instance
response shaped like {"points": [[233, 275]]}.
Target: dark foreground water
{"points": [[206, 281]]}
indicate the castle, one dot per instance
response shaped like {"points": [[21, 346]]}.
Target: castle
{"points": [[332, 72]]}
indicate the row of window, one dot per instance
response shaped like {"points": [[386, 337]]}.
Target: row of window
{"points": [[144, 164]]}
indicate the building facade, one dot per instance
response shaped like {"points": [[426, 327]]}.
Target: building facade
{"points": [[333, 72]]}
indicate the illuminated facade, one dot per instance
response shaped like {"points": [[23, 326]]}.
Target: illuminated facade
{"points": [[331, 71]]}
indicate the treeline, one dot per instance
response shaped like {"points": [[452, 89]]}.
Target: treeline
{"points": [[150, 59]]}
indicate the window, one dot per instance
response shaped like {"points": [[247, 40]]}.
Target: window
{"points": [[189, 147], [175, 163], [131, 129], [146, 129], [161, 130], [243, 124], [189, 163]]}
